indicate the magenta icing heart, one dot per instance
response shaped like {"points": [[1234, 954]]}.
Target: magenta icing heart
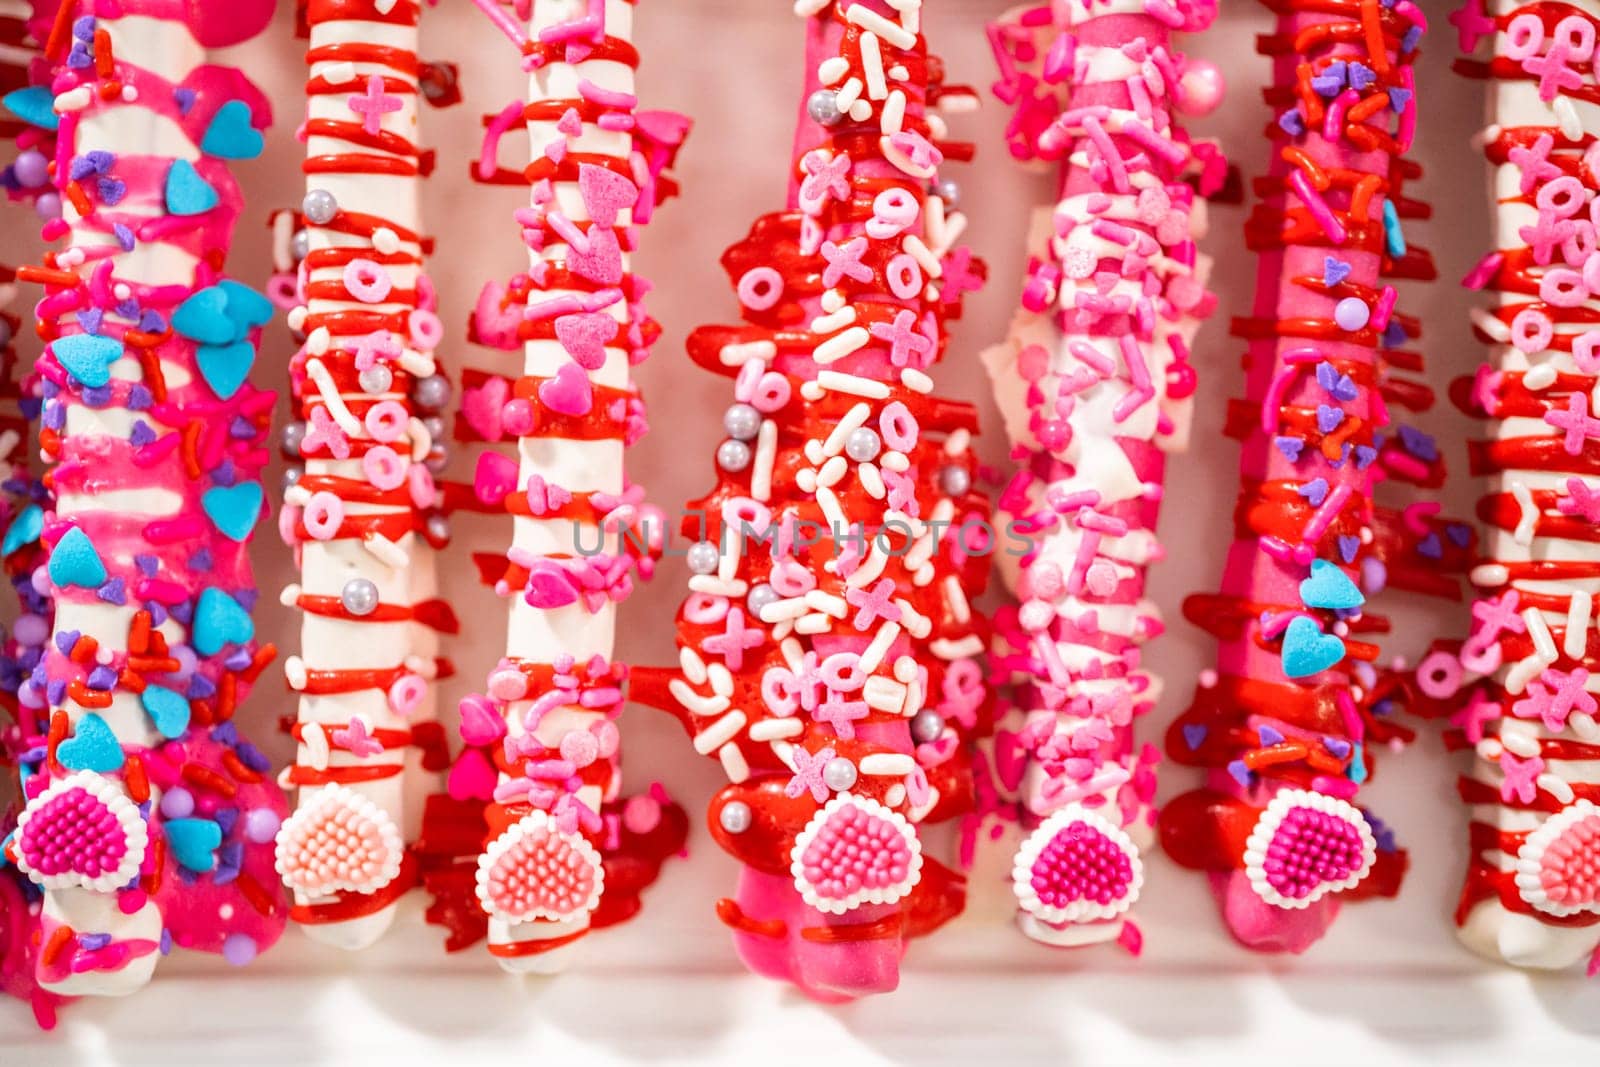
{"points": [[536, 871], [601, 263], [605, 193], [1306, 845], [338, 842], [1558, 866], [81, 832], [569, 392], [855, 851], [549, 586], [1077, 866], [482, 407], [584, 336]]}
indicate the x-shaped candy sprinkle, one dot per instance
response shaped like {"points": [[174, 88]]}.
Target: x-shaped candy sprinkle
{"points": [[873, 604], [1534, 162], [959, 277], [1576, 421], [1521, 781], [734, 639], [841, 713], [373, 345], [808, 774], [1581, 501], [1471, 25], [1569, 693], [1546, 235], [374, 104], [907, 347], [324, 431], [825, 176], [1551, 67], [1494, 616], [1478, 710], [845, 261]]}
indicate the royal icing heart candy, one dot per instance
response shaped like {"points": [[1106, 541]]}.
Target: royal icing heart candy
{"points": [[92, 747], [855, 851], [338, 842], [81, 832], [1558, 866], [534, 871], [231, 134], [1077, 866], [1306, 845]]}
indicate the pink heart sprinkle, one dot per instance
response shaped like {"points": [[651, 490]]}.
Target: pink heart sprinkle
{"points": [[550, 587], [569, 392], [493, 324], [472, 777], [605, 193], [480, 724], [602, 263], [584, 336], [494, 478], [482, 407]]}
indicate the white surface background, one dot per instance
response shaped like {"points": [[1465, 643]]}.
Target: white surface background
{"points": [[1390, 985]]}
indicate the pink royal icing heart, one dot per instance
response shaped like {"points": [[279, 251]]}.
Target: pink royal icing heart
{"points": [[492, 324], [605, 193], [1077, 866], [855, 851], [482, 407], [494, 477], [602, 263], [584, 336], [549, 586], [1558, 866], [83, 832], [473, 777], [1306, 845], [569, 392], [338, 842], [535, 871]]}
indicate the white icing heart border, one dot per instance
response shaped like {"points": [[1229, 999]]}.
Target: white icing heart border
{"points": [[515, 833], [331, 797], [1266, 828], [121, 807], [1079, 910], [1530, 858], [880, 895]]}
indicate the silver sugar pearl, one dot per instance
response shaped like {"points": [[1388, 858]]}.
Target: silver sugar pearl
{"points": [[926, 726], [742, 422], [839, 774], [863, 444], [823, 107], [320, 206], [359, 596], [289, 438], [760, 597], [300, 244], [438, 459], [947, 190], [703, 557], [432, 393], [733, 456], [438, 528], [735, 817], [376, 379], [291, 477], [435, 427], [955, 481]]}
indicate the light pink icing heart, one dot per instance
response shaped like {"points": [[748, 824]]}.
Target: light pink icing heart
{"points": [[1558, 866], [339, 842], [855, 851], [602, 263], [82, 831], [605, 193], [584, 336], [480, 724], [482, 407], [1306, 845], [1077, 866], [549, 586], [494, 477], [569, 392], [535, 871]]}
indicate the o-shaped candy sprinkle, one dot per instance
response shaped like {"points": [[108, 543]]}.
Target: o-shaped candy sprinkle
{"points": [[1563, 287], [790, 577], [406, 694], [899, 427], [386, 421], [760, 288], [779, 692], [1564, 196], [384, 468], [424, 493], [1486, 660], [1524, 36], [892, 211], [741, 511], [704, 609], [1584, 351], [507, 684], [842, 671], [1439, 675], [1577, 33], [1531, 331], [904, 275], [1591, 273], [427, 332], [368, 281], [322, 515]]}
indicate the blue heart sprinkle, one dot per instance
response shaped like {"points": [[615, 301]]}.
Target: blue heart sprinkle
{"points": [[193, 842], [234, 510], [75, 561], [112, 191], [1349, 545], [148, 565], [1329, 418], [35, 105], [1307, 650], [1315, 491], [204, 318], [91, 319], [1194, 735], [92, 747], [219, 621], [141, 434], [87, 357], [189, 194], [1330, 588], [24, 529], [167, 709], [245, 307], [225, 367], [231, 135], [1334, 271]]}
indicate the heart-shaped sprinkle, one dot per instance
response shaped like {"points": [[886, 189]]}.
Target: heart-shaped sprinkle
{"points": [[1337, 745], [246, 307], [338, 841], [167, 708], [74, 561], [495, 319], [80, 832], [536, 871], [1266, 736], [1558, 866], [855, 851], [602, 263], [569, 392], [480, 724], [87, 357], [472, 777], [193, 843], [1349, 545], [1334, 271], [494, 477], [1077, 866], [482, 407], [550, 586], [1316, 491], [1329, 417], [204, 318], [1306, 845], [1330, 588], [234, 509], [25, 529], [1291, 447], [1307, 650], [219, 620], [1194, 735], [231, 134], [225, 367], [187, 193], [605, 193], [34, 105], [584, 336], [92, 747]]}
